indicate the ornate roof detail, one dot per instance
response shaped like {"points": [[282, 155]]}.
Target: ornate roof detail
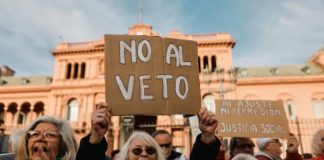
{"points": [[79, 47], [141, 29]]}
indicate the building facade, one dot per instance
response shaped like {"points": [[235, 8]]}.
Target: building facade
{"points": [[78, 83]]}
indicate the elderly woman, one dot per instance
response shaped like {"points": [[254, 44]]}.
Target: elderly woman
{"points": [[318, 145], [141, 145], [47, 138], [50, 138]]}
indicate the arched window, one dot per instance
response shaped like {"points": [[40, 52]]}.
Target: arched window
{"points": [[199, 69], [206, 65], [83, 67], [39, 108], [290, 109], [76, 70], [209, 102], [25, 109], [73, 110], [318, 107], [213, 63], [68, 71], [12, 108]]}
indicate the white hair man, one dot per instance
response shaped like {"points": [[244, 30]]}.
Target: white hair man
{"points": [[270, 149]]}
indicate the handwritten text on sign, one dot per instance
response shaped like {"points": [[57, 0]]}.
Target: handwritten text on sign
{"points": [[251, 118], [151, 75]]}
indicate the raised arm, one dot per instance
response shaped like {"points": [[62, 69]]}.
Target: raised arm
{"points": [[207, 144], [94, 145]]}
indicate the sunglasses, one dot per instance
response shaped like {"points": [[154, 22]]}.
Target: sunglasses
{"points": [[168, 145], [149, 150]]}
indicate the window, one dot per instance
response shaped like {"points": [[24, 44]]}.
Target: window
{"points": [[213, 63], [24, 110], [209, 102], [39, 108], [318, 107], [290, 109], [199, 65], [21, 118], [73, 109], [76, 70], [68, 71], [206, 62], [83, 67]]}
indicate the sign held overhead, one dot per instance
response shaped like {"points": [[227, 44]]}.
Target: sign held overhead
{"points": [[151, 75], [251, 118]]}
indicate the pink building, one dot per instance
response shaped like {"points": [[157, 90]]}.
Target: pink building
{"points": [[77, 84]]}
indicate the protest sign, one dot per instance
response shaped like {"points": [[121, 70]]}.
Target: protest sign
{"points": [[150, 75], [251, 118]]}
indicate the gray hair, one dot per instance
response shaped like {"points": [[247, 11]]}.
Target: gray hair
{"points": [[243, 156], [68, 147], [142, 137], [14, 139], [318, 148]]}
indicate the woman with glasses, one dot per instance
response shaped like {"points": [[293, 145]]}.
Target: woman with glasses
{"points": [[141, 145], [47, 138], [51, 138]]}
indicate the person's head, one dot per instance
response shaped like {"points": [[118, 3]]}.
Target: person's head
{"points": [[47, 136], [307, 156], [164, 139], [243, 156], [115, 154], [141, 145], [271, 146], [241, 145], [13, 139], [318, 142]]}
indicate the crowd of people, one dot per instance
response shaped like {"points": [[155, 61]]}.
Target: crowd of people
{"points": [[51, 138]]}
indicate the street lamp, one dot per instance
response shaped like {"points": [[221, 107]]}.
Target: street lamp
{"points": [[226, 79]]}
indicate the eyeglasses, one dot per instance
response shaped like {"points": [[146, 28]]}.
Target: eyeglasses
{"points": [[50, 136], [168, 145], [275, 141], [149, 150]]}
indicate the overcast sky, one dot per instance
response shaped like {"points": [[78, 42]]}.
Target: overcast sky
{"points": [[268, 32]]}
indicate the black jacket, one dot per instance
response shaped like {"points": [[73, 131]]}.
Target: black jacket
{"points": [[202, 151], [89, 151]]}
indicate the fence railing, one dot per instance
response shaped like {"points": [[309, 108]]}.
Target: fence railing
{"points": [[305, 129]]}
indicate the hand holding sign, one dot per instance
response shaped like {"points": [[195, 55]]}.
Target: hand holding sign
{"points": [[207, 125], [100, 122]]}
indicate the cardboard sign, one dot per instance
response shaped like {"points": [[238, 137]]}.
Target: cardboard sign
{"points": [[251, 118], [151, 75]]}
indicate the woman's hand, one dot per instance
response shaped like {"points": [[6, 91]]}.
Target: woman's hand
{"points": [[100, 122], [207, 125]]}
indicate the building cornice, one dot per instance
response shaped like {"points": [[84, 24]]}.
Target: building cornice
{"points": [[281, 80], [24, 89], [215, 43]]}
